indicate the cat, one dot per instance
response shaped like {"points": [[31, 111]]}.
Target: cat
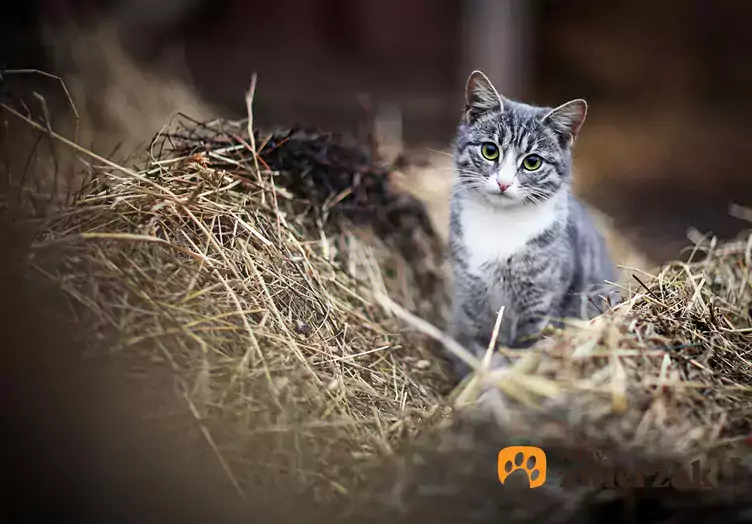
{"points": [[518, 237]]}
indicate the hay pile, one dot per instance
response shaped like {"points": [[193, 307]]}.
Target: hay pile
{"points": [[252, 276]]}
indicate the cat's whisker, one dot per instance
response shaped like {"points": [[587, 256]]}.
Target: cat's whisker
{"points": [[466, 189], [445, 153], [536, 195], [469, 172], [472, 180]]}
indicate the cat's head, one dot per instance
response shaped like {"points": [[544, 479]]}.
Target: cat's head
{"points": [[512, 154]]}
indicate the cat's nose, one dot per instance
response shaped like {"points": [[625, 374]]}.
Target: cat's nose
{"points": [[503, 187]]}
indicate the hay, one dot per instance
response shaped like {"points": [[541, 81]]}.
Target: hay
{"points": [[256, 286]]}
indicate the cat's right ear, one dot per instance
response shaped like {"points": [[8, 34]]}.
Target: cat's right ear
{"points": [[480, 97]]}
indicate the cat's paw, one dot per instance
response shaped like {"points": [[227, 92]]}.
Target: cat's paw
{"points": [[613, 298]]}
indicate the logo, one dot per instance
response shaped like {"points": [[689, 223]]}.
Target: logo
{"points": [[593, 469], [529, 459]]}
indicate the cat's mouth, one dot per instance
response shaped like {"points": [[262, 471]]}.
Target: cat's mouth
{"points": [[509, 195], [503, 199]]}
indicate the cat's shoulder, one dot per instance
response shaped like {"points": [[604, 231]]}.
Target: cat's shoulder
{"points": [[579, 211], [586, 224]]}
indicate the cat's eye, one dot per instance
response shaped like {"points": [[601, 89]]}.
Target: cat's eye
{"points": [[532, 162], [490, 151]]}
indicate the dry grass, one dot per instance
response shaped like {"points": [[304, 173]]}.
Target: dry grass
{"points": [[260, 300]]}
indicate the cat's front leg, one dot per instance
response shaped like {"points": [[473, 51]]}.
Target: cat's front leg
{"points": [[533, 319], [469, 302]]}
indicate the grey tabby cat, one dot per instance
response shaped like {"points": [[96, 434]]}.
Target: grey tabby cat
{"points": [[518, 237]]}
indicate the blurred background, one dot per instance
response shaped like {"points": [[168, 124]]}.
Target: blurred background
{"points": [[665, 146]]}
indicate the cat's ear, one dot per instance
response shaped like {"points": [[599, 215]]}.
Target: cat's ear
{"points": [[480, 97], [567, 119]]}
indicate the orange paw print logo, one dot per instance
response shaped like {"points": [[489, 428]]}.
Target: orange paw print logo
{"points": [[527, 458]]}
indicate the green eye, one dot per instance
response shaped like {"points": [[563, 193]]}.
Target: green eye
{"points": [[490, 151], [532, 162]]}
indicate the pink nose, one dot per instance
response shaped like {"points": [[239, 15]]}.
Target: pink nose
{"points": [[503, 187]]}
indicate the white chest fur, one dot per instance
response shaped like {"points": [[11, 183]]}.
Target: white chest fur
{"points": [[494, 234]]}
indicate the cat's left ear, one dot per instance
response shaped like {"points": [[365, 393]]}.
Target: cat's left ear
{"points": [[567, 119]]}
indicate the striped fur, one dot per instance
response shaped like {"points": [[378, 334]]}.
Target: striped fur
{"points": [[533, 249]]}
